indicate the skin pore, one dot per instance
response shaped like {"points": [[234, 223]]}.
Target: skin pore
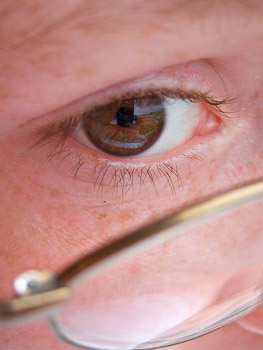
{"points": [[59, 57]]}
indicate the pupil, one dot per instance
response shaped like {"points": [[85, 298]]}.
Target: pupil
{"points": [[125, 117]]}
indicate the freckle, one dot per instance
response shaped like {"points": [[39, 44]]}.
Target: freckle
{"points": [[54, 193], [240, 169], [86, 70], [44, 56], [6, 92], [182, 55], [129, 214], [17, 190], [211, 178], [102, 216], [146, 31], [2, 172]]}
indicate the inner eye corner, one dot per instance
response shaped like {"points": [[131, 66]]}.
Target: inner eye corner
{"points": [[212, 122]]}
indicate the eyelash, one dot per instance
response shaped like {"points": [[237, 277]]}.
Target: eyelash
{"points": [[122, 179]]}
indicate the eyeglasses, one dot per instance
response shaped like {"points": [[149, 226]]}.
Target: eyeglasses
{"points": [[181, 277]]}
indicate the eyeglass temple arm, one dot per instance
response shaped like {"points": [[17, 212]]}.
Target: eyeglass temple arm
{"points": [[158, 231]]}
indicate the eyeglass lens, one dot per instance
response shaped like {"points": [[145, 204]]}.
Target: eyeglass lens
{"points": [[205, 276]]}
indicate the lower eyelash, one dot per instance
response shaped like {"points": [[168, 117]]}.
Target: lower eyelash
{"points": [[122, 181], [115, 181]]}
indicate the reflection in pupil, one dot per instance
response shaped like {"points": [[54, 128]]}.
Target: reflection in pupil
{"points": [[125, 117], [126, 128]]}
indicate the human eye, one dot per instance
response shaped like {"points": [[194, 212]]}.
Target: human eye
{"points": [[136, 138], [146, 125]]}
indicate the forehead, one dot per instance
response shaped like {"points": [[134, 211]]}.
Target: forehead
{"points": [[30, 23], [75, 44]]}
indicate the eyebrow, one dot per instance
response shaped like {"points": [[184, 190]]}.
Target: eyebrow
{"points": [[28, 25]]}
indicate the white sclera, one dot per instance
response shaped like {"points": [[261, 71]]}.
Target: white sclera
{"points": [[181, 121]]}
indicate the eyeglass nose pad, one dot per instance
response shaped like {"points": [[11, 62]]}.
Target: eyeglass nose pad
{"points": [[253, 322]]}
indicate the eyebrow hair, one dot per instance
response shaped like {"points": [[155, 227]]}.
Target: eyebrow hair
{"points": [[28, 25]]}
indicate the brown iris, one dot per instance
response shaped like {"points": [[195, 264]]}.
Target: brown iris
{"points": [[126, 128]]}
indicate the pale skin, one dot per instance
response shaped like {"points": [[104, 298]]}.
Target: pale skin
{"points": [[55, 55]]}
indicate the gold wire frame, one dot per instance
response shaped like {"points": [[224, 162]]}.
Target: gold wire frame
{"points": [[21, 307]]}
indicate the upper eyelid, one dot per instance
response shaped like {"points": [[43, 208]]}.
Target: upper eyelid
{"points": [[199, 76], [192, 95], [114, 97], [212, 91]]}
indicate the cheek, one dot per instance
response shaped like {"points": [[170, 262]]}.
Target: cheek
{"points": [[50, 220], [36, 336], [47, 223], [253, 321], [215, 263]]}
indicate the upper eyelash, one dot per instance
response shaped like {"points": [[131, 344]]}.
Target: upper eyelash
{"points": [[66, 126], [162, 93]]}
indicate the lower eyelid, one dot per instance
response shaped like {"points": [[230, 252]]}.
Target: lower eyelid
{"points": [[113, 181], [212, 126]]}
